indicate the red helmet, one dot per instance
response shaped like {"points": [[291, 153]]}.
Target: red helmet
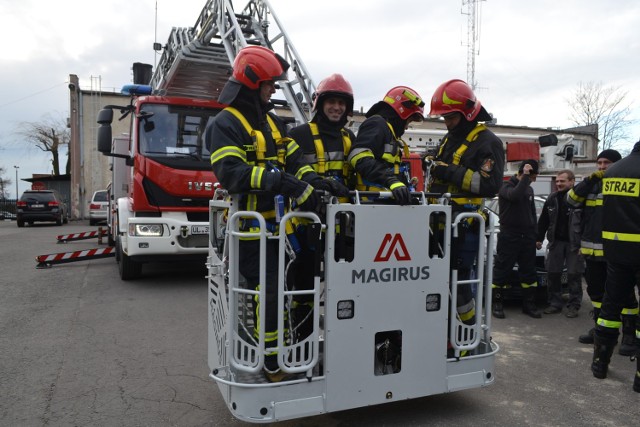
{"points": [[334, 85], [457, 96], [406, 102], [255, 64]]}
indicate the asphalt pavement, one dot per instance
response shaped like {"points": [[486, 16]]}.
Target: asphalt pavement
{"points": [[80, 347]]}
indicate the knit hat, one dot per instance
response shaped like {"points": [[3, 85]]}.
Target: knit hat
{"points": [[532, 162], [609, 154]]}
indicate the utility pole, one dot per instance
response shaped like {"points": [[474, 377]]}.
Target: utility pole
{"points": [[17, 194], [473, 30]]}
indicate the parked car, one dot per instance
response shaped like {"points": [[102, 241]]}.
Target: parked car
{"points": [[41, 205], [7, 215], [98, 207]]}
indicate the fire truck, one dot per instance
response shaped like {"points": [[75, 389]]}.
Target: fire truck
{"points": [[161, 178], [161, 172], [384, 322]]}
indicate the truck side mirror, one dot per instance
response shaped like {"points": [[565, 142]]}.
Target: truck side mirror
{"points": [[105, 117], [548, 140], [568, 153]]}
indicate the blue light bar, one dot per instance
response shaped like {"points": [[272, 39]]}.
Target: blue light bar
{"points": [[136, 90]]}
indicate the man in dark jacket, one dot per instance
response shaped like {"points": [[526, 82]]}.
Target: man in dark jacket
{"points": [[587, 195], [555, 222], [517, 239], [621, 239]]}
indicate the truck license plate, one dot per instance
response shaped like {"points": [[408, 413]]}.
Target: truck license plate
{"points": [[199, 229]]}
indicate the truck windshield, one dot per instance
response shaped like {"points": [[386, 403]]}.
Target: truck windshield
{"points": [[174, 131]]}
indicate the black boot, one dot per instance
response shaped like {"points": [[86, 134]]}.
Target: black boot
{"points": [[602, 351], [628, 344], [588, 337], [529, 303], [496, 304]]}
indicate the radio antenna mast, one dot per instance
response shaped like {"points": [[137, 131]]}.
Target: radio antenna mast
{"points": [[473, 36]]}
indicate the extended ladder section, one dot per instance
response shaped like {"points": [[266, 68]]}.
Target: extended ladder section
{"points": [[384, 323], [196, 61]]}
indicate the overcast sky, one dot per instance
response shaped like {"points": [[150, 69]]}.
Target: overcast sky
{"points": [[532, 54]]}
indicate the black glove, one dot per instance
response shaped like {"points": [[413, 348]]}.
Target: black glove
{"points": [[302, 193], [439, 170], [331, 185], [399, 190], [427, 161]]}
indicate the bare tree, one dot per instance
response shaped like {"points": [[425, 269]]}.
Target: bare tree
{"points": [[4, 184], [49, 135], [592, 103]]}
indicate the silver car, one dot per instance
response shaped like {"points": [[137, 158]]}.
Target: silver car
{"points": [[98, 207]]}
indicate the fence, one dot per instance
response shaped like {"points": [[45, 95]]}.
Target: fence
{"points": [[7, 209]]}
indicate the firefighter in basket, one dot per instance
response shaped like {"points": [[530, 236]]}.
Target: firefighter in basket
{"points": [[469, 164], [250, 151], [325, 143], [377, 152]]}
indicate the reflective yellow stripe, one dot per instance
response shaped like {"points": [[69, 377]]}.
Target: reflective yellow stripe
{"points": [[613, 324], [592, 203], [305, 195], [626, 187], [573, 196], [335, 165], [396, 185], [468, 315], [252, 202], [630, 311], [591, 252], [529, 285], [596, 304], [228, 150], [290, 145], [364, 153], [624, 237], [466, 180], [303, 171], [256, 176]]}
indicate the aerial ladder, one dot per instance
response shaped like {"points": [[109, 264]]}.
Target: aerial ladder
{"points": [[197, 61]]}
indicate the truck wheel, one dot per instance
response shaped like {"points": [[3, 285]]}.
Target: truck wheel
{"points": [[128, 268], [59, 221]]}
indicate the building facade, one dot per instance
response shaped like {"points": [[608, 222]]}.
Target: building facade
{"points": [[91, 170]]}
